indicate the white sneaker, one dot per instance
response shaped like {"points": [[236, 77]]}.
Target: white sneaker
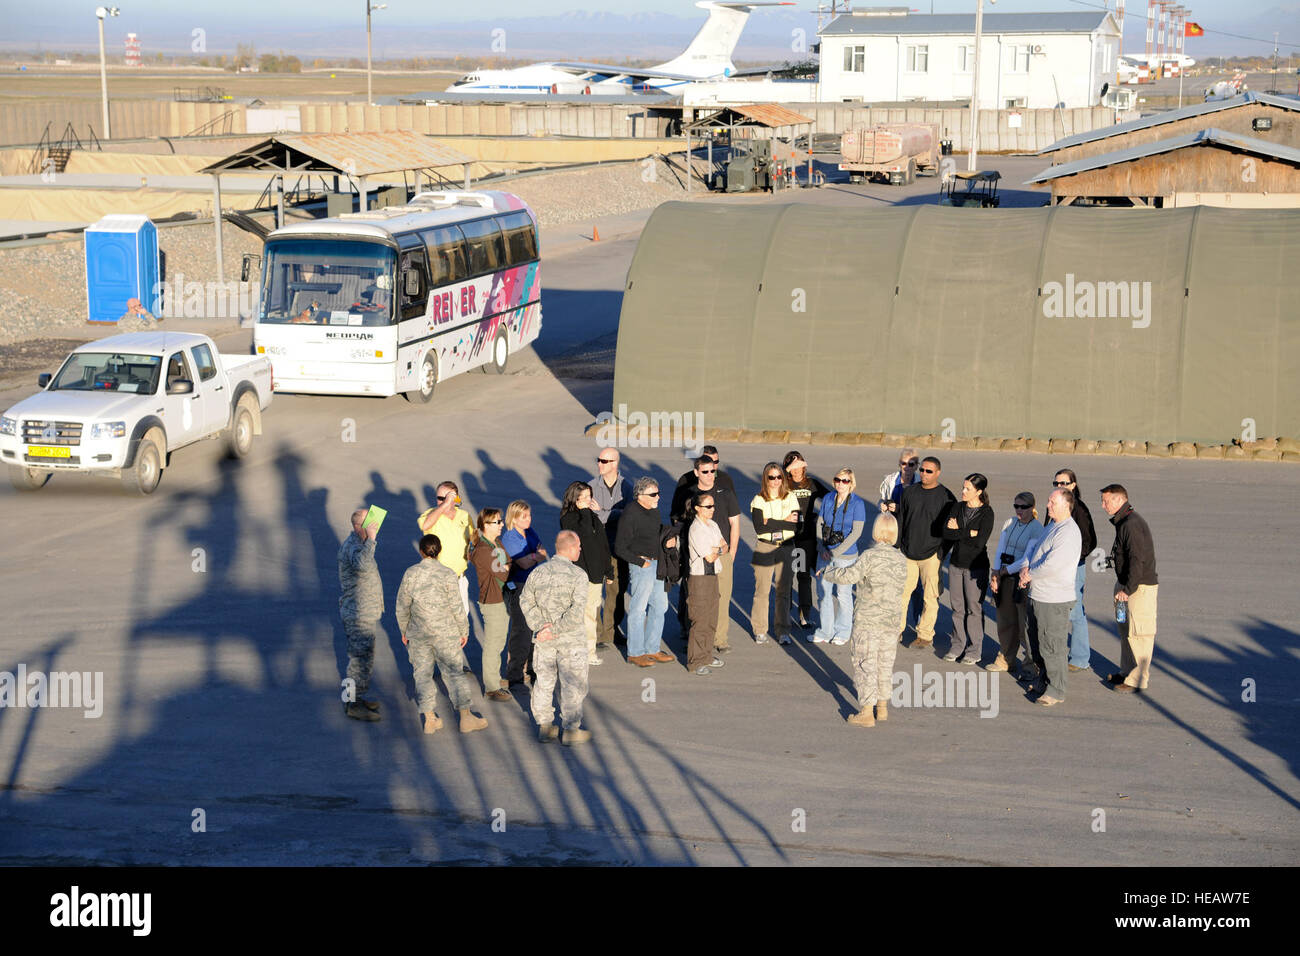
{"points": [[840, 641], [818, 639], [593, 660], [761, 639]]}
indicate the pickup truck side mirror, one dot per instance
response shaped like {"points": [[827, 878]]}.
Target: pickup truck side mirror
{"points": [[43, 379], [180, 386]]}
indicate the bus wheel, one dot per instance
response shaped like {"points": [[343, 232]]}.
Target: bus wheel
{"points": [[500, 353], [428, 378]]}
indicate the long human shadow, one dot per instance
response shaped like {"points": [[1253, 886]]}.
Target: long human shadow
{"points": [[46, 664]]}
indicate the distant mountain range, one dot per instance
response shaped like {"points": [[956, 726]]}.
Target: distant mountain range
{"points": [[769, 36]]}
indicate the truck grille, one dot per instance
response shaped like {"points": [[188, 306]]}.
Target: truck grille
{"points": [[65, 433]]}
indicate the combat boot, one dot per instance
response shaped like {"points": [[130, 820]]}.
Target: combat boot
{"points": [[882, 711], [470, 723], [576, 736], [432, 723], [547, 733], [357, 711], [862, 719], [371, 705]]}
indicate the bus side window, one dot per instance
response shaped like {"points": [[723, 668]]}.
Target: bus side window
{"points": [[413, 305], [485, 246], [446, 249], [520, 236]]}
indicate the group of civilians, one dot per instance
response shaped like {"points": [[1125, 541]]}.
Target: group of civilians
{"points": [[617, 561]]}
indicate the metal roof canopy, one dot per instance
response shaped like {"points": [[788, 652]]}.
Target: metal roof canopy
{"points": [[347, 154], [1203, 137], [1172, 116], [354, 155], [768, 115]]}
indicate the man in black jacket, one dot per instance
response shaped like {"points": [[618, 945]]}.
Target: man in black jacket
{"points": [[1133, 556], [921, 514], [1080, 649]]}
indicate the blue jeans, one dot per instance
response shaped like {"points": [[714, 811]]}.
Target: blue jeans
{"points": [[836, 602], [1080, 651], [647, 601]]}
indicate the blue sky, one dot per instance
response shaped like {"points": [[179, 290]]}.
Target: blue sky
{"points": [[71, 23]]}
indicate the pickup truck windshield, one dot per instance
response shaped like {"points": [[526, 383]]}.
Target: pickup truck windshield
{"points": [[109, 371], [328, 282]]}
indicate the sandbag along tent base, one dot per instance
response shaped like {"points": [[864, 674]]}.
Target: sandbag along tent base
{"points": [[1104, 324]]}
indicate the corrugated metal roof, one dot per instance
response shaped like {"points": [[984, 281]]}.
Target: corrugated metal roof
{"points": [[1199, 138], [964, 23], [355, 154], [764, 114], [1172, 116]]}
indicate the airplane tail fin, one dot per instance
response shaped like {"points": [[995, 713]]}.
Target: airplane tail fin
{"points": [[709, 53]]}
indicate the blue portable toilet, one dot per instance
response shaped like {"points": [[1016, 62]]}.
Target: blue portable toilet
{"points": [[121, 264]]}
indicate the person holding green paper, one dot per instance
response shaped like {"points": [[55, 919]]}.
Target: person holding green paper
{"points": [[361, 606]]}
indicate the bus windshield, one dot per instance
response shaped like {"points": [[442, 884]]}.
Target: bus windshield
{"points": [[328, 282]]}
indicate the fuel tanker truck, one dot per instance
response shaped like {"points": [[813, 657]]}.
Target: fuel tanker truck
{"points": [[892, 153]]}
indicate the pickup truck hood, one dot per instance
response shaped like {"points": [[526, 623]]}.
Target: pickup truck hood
{"points": [[64, 405]]}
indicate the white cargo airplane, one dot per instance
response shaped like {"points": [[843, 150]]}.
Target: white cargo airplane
{"points": [[708, 57]]}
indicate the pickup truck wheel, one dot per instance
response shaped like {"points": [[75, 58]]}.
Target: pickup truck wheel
{"points": [[500, 353], [28, 479], [241, 431], [145, 473], [428, 378]]}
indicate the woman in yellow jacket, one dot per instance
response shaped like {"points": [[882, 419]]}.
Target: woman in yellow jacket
{"points": [[775, 512]]}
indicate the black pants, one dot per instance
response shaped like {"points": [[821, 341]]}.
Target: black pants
{"points": [[519, 644], [803, 578]]}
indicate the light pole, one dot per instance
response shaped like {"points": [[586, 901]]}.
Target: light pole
{"points": [[975, 86], [102, 12], [370, 99]]}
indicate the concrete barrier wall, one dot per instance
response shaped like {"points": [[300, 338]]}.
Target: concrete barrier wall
{"points": [[24, 123]]}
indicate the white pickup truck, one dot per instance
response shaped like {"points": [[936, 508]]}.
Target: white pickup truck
{"points": [[120, 406]]}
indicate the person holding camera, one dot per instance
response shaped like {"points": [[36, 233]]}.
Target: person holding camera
{"points": [[841, 517], [895, 483], [1017, 540], [775, 513], [810, 492]]}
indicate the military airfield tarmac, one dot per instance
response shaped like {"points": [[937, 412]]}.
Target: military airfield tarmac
{"points": [[211, 610]]}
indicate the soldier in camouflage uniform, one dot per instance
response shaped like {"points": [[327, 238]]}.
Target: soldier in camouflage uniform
{"points": [[361, 606], [434, 629], [881, 575], [554, 603]]}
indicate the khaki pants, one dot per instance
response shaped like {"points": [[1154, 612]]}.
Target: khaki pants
{"points": [[1138, 637], [595, 593], [928, 572], [496, 625], [702, 605], [726, 563], [771, 562]]}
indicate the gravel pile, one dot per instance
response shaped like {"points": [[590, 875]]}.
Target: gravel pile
{"points": [[44, 286]]}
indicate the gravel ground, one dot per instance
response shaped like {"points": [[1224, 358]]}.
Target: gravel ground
{"points": [[52, 311]]}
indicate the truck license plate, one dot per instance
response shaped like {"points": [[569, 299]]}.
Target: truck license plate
{"points": [[47, 451]]}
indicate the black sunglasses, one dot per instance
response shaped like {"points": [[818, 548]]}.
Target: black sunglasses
{"points": [[708, 471], [710, 507], [606, 461], [928, 471], [773, 477], [1060, 484], [1023, 507], [840, 481], [909, 464]]}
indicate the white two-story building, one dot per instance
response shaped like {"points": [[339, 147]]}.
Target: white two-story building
{"points": [[1027, 60]]}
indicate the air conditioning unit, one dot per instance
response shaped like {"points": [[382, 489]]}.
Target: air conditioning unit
{"points": [[1038, 49]]}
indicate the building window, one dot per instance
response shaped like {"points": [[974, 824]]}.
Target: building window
{"points": [[965, 58], [918, 59], [1017, 103], [1020, 59], [855, 59]]}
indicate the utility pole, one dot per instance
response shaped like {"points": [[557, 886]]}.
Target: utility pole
{"points": [[101, 13], [370, 97], [975, 88]]}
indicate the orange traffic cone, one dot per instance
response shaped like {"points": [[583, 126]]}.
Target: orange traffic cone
{"points": [[595, 234]]}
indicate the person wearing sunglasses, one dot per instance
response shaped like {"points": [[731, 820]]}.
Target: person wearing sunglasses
{"points": [[611, 492], [921, 514], [841, 516], [640, 532], [896, 482], [578, 514], [1080, 647], [775, 513], [705, 546], [810, 491], [968, 527], [1019, 535], [724, 480], [492, 568], [452, 525], [525, 550], [727, 517]]}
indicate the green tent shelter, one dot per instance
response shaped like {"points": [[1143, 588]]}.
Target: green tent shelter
{"points": [[1106, 324]]}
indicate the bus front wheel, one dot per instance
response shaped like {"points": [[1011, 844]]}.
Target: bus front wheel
{"points": [[428, 378]]}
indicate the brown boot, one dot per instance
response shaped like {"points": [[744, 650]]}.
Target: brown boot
{"points": [[469, 723], [357, 710], [432, 723], [882, 711], [575, 736], [862, 718]]}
